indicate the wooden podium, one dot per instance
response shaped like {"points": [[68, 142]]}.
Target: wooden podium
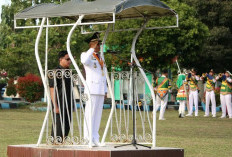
{"points": [[83, 151]]}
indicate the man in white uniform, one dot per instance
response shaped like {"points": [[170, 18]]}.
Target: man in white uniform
{"points": [[96, 81], [193, 92]]}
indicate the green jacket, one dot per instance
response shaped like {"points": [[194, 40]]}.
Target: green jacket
{"points": [[193, 83], [163, 83], [210, 84], [226, 88]]}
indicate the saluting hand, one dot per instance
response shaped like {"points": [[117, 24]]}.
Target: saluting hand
{"points": [[93, 44]]}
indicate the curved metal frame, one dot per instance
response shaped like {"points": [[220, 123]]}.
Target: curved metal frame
{"points": [[43, 80], [110, 88], [133, 57], [80, 74]]}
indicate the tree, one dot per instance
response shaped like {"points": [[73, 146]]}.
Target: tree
{"points": [[155, 48], [17, 46], [216, 14], [158, 47]]}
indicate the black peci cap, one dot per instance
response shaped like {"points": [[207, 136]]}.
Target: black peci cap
{"points": [[62, 54], [95, 37]]}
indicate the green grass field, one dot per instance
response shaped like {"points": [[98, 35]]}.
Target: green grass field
{"points": [[200, 137]]}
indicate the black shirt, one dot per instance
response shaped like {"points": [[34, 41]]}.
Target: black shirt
{"points": [[62, 77]]}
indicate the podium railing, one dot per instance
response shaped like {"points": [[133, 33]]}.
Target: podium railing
{"points": [[68, 93]]}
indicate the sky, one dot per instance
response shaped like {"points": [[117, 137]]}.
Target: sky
{"points": [[3, 2]]}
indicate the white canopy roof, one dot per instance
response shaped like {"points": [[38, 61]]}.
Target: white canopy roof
{"points": [[99, 10]]}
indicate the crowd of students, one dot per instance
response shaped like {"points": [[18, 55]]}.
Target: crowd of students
{"points": [[188, 91]]}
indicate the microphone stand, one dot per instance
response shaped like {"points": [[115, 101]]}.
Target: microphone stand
{"points": [[134, 141]]}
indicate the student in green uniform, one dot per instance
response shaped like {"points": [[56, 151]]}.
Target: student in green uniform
{"points": [[181, 95], [225, 94], [209, 94], [193, 92], [162, 85]]}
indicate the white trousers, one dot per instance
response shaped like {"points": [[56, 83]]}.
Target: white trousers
{"points": [[182, 106], [210, 96], [193, 98], [226, 103], [97, 106], [163, 104]]}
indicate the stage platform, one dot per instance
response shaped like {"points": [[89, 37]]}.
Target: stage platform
{"points": [[83, 151]]}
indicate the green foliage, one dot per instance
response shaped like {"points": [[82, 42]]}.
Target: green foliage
{"points": [[216, 14], [193, 42], [17, 51], [39, 104], [17, 46], [157, 48], [11, 88], [30, 87], [3, 81]]}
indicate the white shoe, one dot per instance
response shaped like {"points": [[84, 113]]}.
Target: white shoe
{"points": [[92, 145], [189, 115], [96, 143], [162, 119], [214, 116], [222, 117], [206, 115]]}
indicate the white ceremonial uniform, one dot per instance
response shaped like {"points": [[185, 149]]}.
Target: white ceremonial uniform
{"points": [[193, 99], [226, 102], [210, 96], [96, 81], [182, 107], [162, 103]]}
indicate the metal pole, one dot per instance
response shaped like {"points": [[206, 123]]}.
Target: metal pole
{"points": [[148, 83], [229, 73], [46, 69], [80, 74], [179, 71], [110, 90], [43, 79], [46, 58]]}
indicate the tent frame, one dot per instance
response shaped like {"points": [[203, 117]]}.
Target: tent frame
{"points": [[95, 23], [133, 58]]}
